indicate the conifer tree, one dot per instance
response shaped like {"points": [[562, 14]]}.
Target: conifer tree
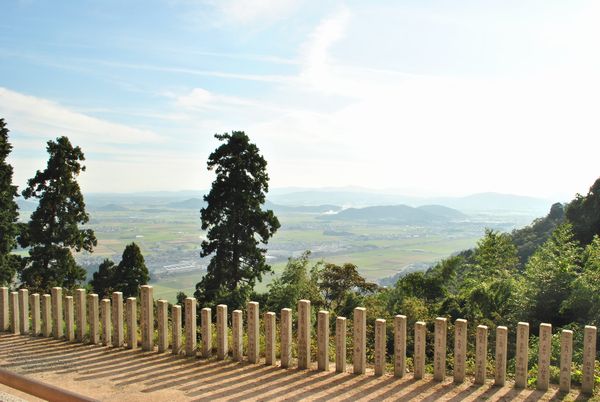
{"points": [[9, 212], [235, 221], [131, 273], [54, 226], [103, 281]]}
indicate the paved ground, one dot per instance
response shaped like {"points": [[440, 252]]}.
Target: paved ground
{"points": [[123, 375]]}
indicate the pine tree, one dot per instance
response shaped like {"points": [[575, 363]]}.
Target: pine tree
{"points": [[9, 212], [235, 221], [53, 229]]}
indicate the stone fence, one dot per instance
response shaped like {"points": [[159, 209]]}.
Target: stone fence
{"points": [[85, 318]]}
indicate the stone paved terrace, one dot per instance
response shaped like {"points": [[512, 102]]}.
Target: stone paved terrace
{"points": [[117, 374]]}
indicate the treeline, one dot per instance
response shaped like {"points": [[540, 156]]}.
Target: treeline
{"points": [[54, 229]]}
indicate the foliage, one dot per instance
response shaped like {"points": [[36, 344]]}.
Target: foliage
{"points": [[549, 276], [9, 213], [131, 273], [584, 301], [529, 238], [584, 214], [297, 281], [127, 277], [336, 281], [103, 281], [236, 223], [53, 229]]}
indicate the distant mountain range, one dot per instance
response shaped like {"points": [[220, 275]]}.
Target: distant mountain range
{"points": [[399, 214], [302, 200], [479, 202]]}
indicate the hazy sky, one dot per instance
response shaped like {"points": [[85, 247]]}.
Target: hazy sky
{"points": [[428, 97]]}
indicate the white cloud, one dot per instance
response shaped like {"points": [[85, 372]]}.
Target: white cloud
{"points": [[45, 119]]}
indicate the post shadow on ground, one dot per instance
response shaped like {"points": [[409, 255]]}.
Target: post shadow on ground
{"points": [[74, 362], [292, 377], [199, 374], [110, 370], [188, 367], [306, 380], [263, 373]]}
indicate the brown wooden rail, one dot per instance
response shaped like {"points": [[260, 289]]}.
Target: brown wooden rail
{"points": [[40, 389]]}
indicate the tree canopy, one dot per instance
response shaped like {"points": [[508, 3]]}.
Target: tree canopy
{"points": [[127, 277], [235, 221], [53, 229], [584, 214], [9, 212]]}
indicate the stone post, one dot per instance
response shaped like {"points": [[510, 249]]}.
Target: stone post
{"points": [[80, 313], [460, 350], [522, 355], [14, 313], [589, 358], [147, 318], [163, 325], [237, 332], [359, 355], [270, 338], [4, 311], [117, 319], [36, 325], [253, 335], [566, 358], [69, 318], [206, 331], [93, 318], [132, 336], [304, 327], [380, 345], [419, 357], [340, 344], [323, 341], [106, 330], [439, 354], [46, 315], [501, 352], [481, 342], [545, 340], [57, 312], [190, 326], [24, 311], [286, 337], [400, 345], [176, 330], [222, 346]]}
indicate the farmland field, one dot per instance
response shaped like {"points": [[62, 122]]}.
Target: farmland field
{"points": [[170, 241]]}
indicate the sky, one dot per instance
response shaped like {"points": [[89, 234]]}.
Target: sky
{"points": [[417, 97]]}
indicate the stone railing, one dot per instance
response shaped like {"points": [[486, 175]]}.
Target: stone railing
{"points": [[85, 318]]}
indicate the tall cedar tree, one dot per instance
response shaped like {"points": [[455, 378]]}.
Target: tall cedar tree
{"points": [[9, 212], [235, 221], [53, 229]]}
